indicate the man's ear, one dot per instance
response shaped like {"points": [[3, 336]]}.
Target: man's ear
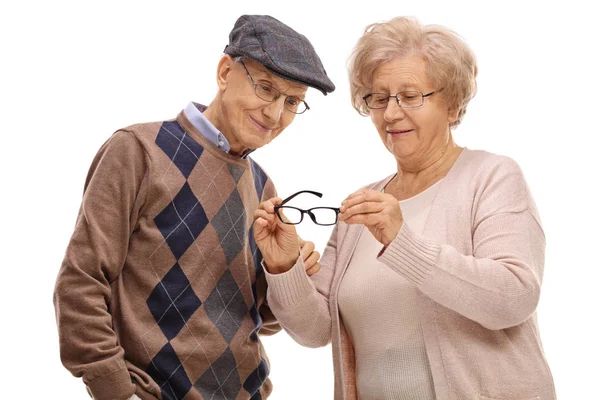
{"points": [[224, 69]]}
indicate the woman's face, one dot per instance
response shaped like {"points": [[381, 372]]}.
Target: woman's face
{"points": [[412, 135]]}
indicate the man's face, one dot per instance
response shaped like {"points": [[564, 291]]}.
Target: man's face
{"points": [[246, 120]]}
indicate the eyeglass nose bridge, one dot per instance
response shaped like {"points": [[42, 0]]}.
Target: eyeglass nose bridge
{"points": [[403, 107], [398, 102], [311, 215]]}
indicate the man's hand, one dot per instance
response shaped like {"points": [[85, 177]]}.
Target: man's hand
{"points": [[278, 242]]}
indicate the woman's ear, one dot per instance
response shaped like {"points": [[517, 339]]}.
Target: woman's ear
{"points": [[452, 114]]}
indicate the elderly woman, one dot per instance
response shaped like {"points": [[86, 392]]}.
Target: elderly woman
{"points": [[429, 284]]}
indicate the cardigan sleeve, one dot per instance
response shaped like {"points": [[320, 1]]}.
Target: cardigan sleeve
{"points": [[300, 302], [113, 194], [498, 285]]}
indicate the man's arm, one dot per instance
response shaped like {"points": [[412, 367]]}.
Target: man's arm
{"points": [[114, 192]]}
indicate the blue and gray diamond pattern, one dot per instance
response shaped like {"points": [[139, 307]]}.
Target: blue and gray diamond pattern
{"points": [[173, 301]]}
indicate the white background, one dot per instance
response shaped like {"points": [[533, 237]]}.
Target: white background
{"points": [[74, 72]]}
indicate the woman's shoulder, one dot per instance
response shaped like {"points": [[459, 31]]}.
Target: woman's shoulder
{"points": [[488, 159], [496, 181], [486, 165]]}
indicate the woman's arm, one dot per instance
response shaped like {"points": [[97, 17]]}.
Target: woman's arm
{"points": [[499, 285], [299, 302]]}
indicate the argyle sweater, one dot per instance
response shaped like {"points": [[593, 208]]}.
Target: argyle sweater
{"points": [[161, 291]]}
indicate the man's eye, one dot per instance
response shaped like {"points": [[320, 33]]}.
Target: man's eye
{"points": [[293, 102]]}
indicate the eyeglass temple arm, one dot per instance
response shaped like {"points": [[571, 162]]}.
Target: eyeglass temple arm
{"points": [[300, 192]]}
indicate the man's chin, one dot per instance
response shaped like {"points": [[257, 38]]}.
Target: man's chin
{"points": [[257, 141]]}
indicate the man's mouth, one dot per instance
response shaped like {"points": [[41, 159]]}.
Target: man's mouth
{"points": [[262, 127]]}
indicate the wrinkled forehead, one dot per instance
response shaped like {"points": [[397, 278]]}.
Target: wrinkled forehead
{"points": [[260, 72], [404, 73]]}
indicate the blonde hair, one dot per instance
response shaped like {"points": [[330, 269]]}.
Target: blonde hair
{"points": [[451, 64]]}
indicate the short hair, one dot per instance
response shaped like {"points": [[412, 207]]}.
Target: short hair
{"points": [[451, 64]]}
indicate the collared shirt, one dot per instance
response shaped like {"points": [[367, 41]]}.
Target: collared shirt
{"points": [[193, 112]]}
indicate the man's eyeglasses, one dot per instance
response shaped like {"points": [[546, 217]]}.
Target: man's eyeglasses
{"points": [[319, 215], [408, 99], [268, 93]]}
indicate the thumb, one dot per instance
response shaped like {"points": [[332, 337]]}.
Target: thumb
{"points": [[284, 224], [261, 229]]}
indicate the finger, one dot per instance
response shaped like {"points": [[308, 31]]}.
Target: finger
{"points": [[261, 229], [361, 208], [368, 194], [281, 221], [281, 215], [267, 210], [314, 269], [306, 249], [364, 219], [311, 260], [270, 204], [365, 195], [259, 213]]}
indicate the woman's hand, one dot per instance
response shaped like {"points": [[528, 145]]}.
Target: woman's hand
{"points": [[310, 257], [379, 212], [278, 242]]}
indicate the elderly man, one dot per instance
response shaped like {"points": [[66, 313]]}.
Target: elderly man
{"points": [[161, 293]]}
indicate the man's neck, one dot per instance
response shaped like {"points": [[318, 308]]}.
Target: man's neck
{"points": [[215, 115]]}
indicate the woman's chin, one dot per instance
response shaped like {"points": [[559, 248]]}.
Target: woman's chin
{"points": [[400, 151]]}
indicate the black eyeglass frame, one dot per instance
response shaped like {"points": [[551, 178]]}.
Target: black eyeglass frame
{"points": [[398, 101], [276, 90], [309, 211]]}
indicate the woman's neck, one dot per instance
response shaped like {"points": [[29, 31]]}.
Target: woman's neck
{"points": [[413, 178]]}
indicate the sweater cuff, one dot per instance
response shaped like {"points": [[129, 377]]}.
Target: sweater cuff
{"points": [[410, 255], [289, 287], [112, 386]]}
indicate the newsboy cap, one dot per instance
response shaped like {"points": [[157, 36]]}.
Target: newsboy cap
{"points": [[279, 48]]}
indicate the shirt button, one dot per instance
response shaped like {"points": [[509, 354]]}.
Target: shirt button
{"points": [[221, 143]]}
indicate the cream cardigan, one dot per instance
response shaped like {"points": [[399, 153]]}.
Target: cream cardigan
{"points": [[478, 268]]}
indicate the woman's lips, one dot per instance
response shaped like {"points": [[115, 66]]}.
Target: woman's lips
{"points": [[399, 132]]}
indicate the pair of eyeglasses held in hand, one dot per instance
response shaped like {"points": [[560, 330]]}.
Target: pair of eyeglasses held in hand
{"points": [[320, 215]]}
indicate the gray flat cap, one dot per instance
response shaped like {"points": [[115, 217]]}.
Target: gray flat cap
{"points": [[280, 49]]}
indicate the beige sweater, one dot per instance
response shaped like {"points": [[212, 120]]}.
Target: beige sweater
{"points": [[478, 268]]}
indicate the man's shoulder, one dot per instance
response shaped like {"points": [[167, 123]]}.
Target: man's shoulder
{"points": [[148, 134], [145, 130]]}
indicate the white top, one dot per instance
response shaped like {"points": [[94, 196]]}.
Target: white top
{"points": [[391, 361]]}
